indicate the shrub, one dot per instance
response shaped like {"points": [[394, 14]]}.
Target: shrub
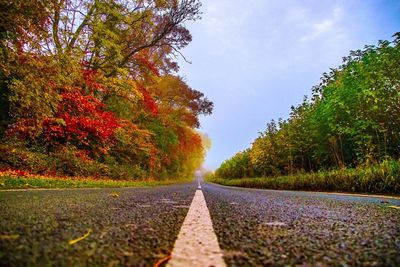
{"points": [[380, 178], [17, 157]]}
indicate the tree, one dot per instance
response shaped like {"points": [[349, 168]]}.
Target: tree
{"points": [[100, 76], [352, 119]]}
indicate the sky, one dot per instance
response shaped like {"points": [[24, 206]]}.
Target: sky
{"points": [[256, 58]]}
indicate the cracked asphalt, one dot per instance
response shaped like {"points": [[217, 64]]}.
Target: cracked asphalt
{"points": [[138, 227]]}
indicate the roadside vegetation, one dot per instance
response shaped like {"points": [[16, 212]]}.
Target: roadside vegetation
{"points": [[10, 179], [382, 178], [344, 138], [91, 89]]}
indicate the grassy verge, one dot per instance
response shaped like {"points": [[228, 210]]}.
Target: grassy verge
{"points": [[382, 178], [13, 180]]}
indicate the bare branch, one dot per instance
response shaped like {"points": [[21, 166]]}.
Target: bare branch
{"points": [[80, 27]]}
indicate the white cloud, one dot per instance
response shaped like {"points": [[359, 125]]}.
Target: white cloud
{"points": [[324, 26]]}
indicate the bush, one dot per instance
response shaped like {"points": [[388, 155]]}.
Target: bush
{"points": [[380, 178], [18, 157], [70, 162], [126, 172], [67, 161]]}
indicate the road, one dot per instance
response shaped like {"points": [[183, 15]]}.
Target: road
{"points": [[139, 226]]}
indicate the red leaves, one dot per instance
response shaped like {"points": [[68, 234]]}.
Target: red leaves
{"points": [[89, 78], [149, 65], [83, 155], [149, 102], [21, 173], [80, 119]]}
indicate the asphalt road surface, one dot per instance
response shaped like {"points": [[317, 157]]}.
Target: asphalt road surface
{"points": [[139, 226]]}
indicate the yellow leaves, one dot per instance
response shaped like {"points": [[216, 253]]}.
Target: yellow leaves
{"points": [[394, 207], [161, 3], [125, 88], [9, 237], [114, 194], [80, 238]]}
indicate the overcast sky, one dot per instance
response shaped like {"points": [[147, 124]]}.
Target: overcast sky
{"points": [[256, 58]]}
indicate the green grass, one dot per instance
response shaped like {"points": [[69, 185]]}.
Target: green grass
{"points": [[32, 182], [382, 178]]}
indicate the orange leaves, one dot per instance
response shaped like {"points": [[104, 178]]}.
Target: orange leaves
{"points": [[19, 173], [89, 77], [24, 128], [149, 102], [143, 59]]}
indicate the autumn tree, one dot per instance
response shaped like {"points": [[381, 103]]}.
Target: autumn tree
{"points": [[100, 76]]}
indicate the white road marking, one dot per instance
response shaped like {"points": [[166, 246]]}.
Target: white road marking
{"points": [[198, 181], [197, 245]]}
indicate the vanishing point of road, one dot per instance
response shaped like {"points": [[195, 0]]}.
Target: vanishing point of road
{"points": [[198, 224]]}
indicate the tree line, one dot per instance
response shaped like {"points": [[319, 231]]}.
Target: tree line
{"points": [[90, 87], [351, 119]]}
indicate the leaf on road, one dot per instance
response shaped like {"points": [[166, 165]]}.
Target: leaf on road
{"points": [[114, 194], [275, 224], [80, 238], [394, 207], [9, 236], [163, 260]]}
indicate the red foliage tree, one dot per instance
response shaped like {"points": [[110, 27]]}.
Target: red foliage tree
{"points": [[80, 120], [148, 100]]}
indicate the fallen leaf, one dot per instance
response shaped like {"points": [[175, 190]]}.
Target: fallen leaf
{"points": [[127, 253], [80, 238], [394, 207], [9, 236], [114, 194], [163, 260]]}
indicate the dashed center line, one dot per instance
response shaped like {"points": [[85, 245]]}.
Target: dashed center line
{"points": [[197, 245]]}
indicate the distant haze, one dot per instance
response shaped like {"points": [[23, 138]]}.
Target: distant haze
{"points": [[257, 58]]}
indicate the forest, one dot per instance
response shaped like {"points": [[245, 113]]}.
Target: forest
{"points": [[351, 121], [91, 88]]}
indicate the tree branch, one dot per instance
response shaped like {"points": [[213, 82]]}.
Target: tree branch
{"points": [[55, 26], [80, 27]]}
